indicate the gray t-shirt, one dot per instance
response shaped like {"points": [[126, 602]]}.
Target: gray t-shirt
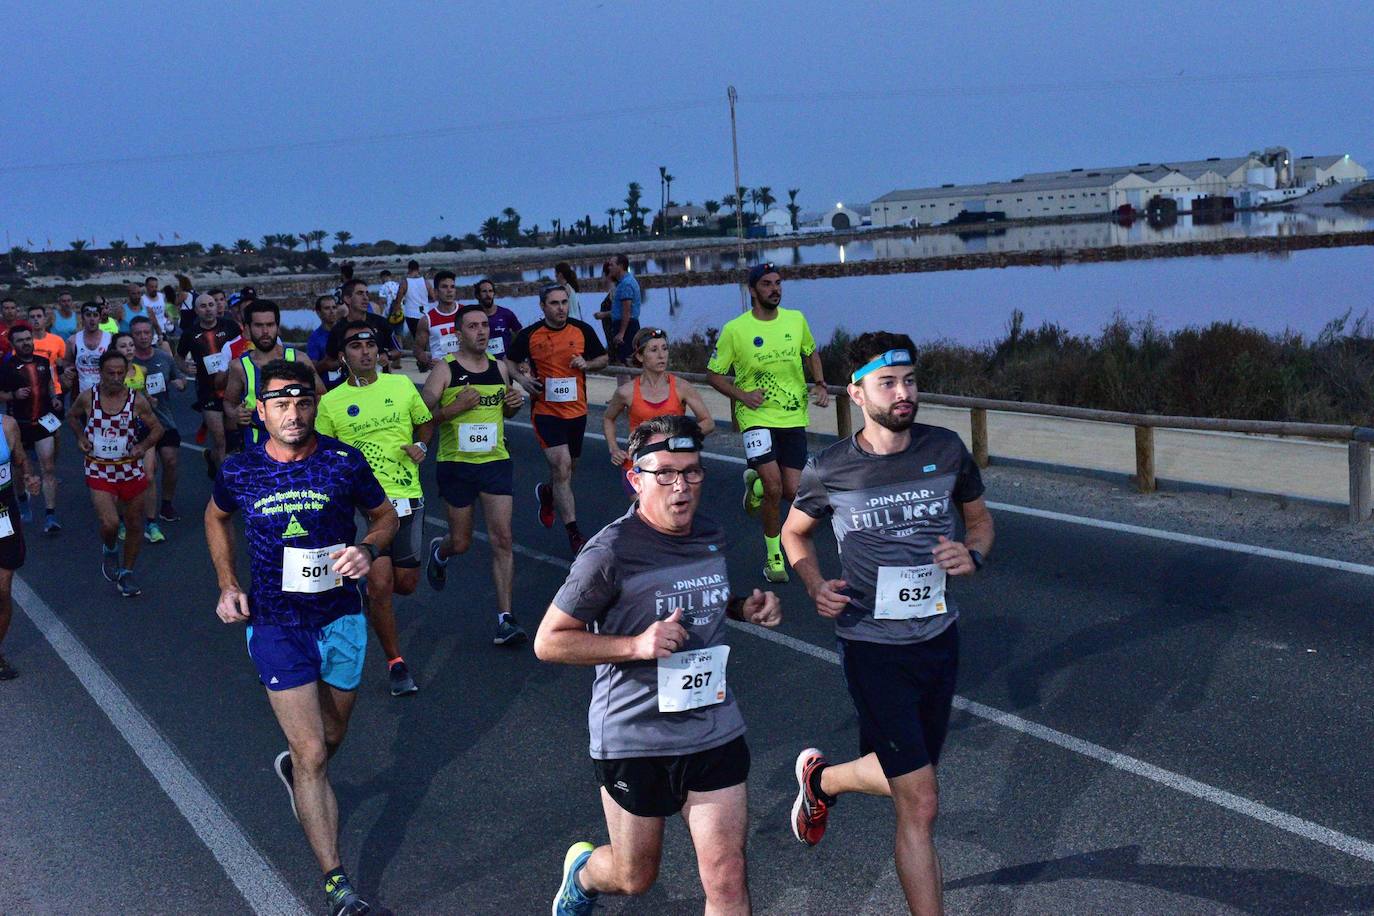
{"points": [[626, 577], [161, 363], [889, 511]]}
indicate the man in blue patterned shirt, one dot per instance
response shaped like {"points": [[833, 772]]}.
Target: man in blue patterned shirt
{"points": [[297, 492]]}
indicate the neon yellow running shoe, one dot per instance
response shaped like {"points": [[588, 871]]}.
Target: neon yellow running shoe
{"points": [[752, 499], [571, 899]]}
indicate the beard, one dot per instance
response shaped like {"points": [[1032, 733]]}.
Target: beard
{"points": [[888, 419]]}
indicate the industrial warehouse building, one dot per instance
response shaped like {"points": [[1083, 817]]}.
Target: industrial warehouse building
{"points": [[1264, 178]]}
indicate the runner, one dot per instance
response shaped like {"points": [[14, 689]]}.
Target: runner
{"points": [[103, 419], [243, 425], [155, 305], [436, 334], [899, 495], [65, 319], [199, 348], [28, 386], [387, 289], [383, 417], [13, 466], [359, 309], [82, 366], [123, 342], [561, 350], [766, 346], [471, 396], [646, 602], [416, 294], [162, 373], [625, 304], [134, 307], [330, 310], [306, 634], [9, 314], [652, 393], [54, 350], [504, 325]]}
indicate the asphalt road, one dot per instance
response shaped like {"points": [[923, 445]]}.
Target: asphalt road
{"points": [[1144, 727]]}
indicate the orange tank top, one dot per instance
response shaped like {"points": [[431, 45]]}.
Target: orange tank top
{"points": [[641, 410]]}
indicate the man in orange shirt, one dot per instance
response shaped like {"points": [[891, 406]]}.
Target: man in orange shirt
{"points": [[551, 359], [49, 346]]}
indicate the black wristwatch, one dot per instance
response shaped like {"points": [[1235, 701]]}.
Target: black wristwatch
{"points": [[977, 559], [371, 550]]}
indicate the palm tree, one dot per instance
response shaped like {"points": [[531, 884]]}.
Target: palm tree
{"points": [[217, 250], [342, 237], [610, 219], [119, 245], [288, 241], [766, 198], [662, 195], [668, 189], [633, 194], [512, 224], [269, 241], [730, 201], [78, 244], [491, 230], [752, 195], [792, 208], [243, 246]]}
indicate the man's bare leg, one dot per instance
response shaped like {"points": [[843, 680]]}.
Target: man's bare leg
{"points": [[497, 510], [719, 824], [628, 865]]}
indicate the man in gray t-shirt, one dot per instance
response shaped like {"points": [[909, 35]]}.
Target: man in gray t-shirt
{"points": [[646, 602], [163, 373], [905, 502]]}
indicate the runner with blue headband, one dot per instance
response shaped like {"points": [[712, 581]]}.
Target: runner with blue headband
{"points": [[905, 502]]}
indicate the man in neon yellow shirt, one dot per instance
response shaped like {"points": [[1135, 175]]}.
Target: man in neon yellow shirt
{"points": [[383, 417], [765, 347]]}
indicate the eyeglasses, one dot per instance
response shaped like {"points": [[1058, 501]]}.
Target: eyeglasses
{"points": [[668, 477]]}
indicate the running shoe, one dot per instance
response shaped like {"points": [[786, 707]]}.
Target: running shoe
{"points": [[168, 513], [543, 494], [127, 586], [508, 632], [752, 500], [109, 564], [775, 570], [571, 899], [436, 572], [51, 525], [809, 813], [343, 900], [7, 671], [152, 533], [401, 681], [287, 776]]}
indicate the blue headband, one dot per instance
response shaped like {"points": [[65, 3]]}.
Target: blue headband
{"points": [[890, 358]]}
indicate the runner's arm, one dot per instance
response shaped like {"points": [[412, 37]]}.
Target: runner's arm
{"points": [[219, 538], [76, 418], [953, 556], [233, 396], [421, 344], [797, 542], [614, 407], [433, 390], [144, 411], [382, 524], [22, 471], [515, 396], [821, 393], [697, 405], [564, 639]]}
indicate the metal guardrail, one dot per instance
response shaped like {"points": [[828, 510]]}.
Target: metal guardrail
{"points": [[1358, 438]]}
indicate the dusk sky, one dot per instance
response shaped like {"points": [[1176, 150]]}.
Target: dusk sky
{"points": [[217, 121]]}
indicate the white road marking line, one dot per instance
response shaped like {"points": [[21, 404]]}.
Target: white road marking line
{"points": [[1140, 530], [1353, 846], [256, 879]]}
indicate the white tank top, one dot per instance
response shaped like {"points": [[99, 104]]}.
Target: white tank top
{"points": [[417, 297], [443, 332], [157, 310], [88, 359]]}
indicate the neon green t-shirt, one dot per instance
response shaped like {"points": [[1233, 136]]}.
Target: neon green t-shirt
{"points": [[767, 355], [378, 420]]}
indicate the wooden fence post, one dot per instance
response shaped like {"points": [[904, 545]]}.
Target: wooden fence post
{"points": [[978, 423], [844, 423], [1360, 499], [1145, 459]]}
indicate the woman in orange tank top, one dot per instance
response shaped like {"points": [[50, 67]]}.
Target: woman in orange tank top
{"points": [[653, 393]]}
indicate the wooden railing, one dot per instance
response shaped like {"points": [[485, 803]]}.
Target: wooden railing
{"points": [[1358, 438]]}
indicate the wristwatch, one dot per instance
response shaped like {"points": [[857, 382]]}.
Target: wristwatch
{"points": [[371, 550], [977, 559], [424, 449]]}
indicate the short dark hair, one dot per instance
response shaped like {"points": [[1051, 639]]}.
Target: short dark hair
{"points": [[254, 306], [287, 370], [215, 292], [412, 265], [551, 288], [564, 271], [17, 327], [623, 260], [320, 300], [117, 335], [469, 307], [9, 299], [477, 287], [444, 275], [90, 304], [386, 273], [346, 270], [670, 425], [870, 345], [349, 286], [139, 319], [110, 354], [146, 279]]}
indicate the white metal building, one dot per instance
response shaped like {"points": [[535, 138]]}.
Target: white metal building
{"points": [[1320, 170]]}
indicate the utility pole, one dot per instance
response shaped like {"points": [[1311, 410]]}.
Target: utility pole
{"points": [[733, 96]]}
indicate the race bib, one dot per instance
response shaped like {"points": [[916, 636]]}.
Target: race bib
{"points": [[403, 506], [446, 344], [6, 525], [308, 570], [49, 422], [333, 376], [216, 362], [5, 474], [109, 446], [476, 437], [155, 383], [757, 442], [496, 347], [560, 390], [691, 680], [907, 592]]}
